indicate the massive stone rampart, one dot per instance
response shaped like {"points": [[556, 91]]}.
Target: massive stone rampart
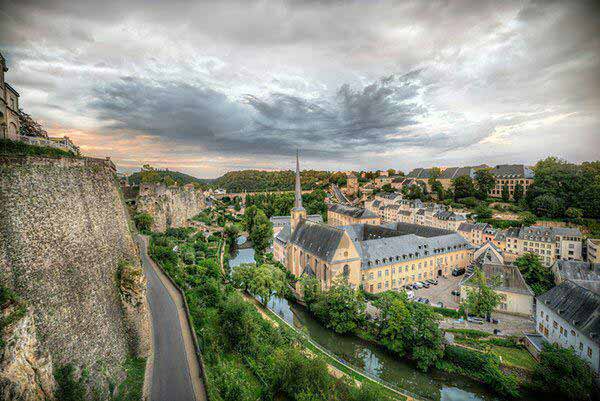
{"points": [[170, 206], [63, 233]]}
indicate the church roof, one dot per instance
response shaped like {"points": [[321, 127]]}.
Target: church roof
{"points": [[319, 239], [356, 212]]}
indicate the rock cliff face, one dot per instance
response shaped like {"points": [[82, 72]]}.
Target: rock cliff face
{"points": [[63, 233], [26, 372], [169, 206]]}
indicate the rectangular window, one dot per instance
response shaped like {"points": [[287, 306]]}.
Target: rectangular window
{"points": [[387, 272], [379, 273], [378, 286]]}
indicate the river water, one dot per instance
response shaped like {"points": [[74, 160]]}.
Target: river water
{"points": [[434, 385]]}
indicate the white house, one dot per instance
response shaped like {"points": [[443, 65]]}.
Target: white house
{"points": [[569, 315]]}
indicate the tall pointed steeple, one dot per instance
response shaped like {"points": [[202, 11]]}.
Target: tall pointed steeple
{"points": [[298, 188], [298, 213]]}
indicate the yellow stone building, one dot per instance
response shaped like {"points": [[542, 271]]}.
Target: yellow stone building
{"points": [[344, 215]]}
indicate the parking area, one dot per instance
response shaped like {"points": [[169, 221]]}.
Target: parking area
{"points": [[441, 292], [507, 324]]}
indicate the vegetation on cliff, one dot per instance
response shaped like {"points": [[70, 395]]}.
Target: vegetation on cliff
{"points": [[281, 204], [149, 174], [20, 148]]}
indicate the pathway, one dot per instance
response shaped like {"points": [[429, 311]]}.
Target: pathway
{"points": [[175, 370]]}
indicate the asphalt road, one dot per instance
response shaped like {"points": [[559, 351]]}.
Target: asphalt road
{"points": [[171, 379]]}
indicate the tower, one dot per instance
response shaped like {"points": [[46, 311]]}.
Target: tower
{"points": [[298, 212]]}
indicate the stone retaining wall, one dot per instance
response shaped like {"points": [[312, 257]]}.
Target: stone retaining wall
{"points": [[63, 232]]}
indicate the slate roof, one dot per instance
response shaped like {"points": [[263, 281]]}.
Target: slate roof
{"points": [[389, 250], [451, 216], [577, 305], [475, 227], [356, 212], [420, 230], [547, 234], [510, 277], [585, 274], [512, 171], [317, 238]]}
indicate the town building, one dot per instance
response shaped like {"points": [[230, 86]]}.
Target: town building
{"points": [[585, 274], [516, 297], [505, 174], [10, 122], [511, 175], [351, 184], [593, 250], [476, 233], [549, 243], [10, 119], [343, 215], [569, 315], [376, 257], [382, 180]]}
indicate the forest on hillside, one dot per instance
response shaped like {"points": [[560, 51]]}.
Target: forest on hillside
{"points": [[281, 204], [263, 181], [149, 174]]}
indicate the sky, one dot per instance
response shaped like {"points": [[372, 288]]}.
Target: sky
{"points": [[213, 86]]}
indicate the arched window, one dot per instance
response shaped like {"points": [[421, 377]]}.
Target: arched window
{"points": [[346, 271]]}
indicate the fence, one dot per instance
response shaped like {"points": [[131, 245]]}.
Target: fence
{"points": [[58, 143]]}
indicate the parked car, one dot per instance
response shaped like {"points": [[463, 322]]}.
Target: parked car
{"points": [[456, 292], [434, 282], [440, 304], [415, 286], [410, 294], [425, 284], [426, 301], [408, 286], [474, 319]]}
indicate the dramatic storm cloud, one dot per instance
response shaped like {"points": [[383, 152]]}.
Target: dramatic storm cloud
{"points": [[206, 87]]}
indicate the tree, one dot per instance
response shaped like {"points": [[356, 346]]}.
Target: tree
{"points": [[518, 192], [485, 181], [547, 205], [143, 221], [527, 218], [414, 192], [434, 184], [340, 308], [563, 374], [311, 289], [231, 232], [463, 187], [483, 211], [538, 277], [249, 214], [391, 171], [505, 193], [481, 300], [261, 233], [574, 213], [426, 336], [387, 188], [30, 127]]}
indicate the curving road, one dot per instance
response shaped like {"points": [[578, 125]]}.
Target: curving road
{"points": [[175, 368]]}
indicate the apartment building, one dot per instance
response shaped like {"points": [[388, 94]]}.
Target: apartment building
{"points": [[593, 250], [510, 175], [477, 233], [569, 315], [549, 243], [505, 174]]}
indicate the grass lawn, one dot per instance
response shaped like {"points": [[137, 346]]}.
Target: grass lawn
{"points": [[518, 357], [131, 388]]}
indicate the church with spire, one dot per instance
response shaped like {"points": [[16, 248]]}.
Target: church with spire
{"points": [[308, 246], [376, 257]]}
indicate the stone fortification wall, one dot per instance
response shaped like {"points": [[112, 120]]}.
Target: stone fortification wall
{"points": [[169, 206], [63, 233]]}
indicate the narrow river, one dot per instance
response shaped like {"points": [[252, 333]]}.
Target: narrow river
{"points": [[434, 385]]}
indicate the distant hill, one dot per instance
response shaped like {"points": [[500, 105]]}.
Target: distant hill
{"points": [[260, 181], [161, 175]]}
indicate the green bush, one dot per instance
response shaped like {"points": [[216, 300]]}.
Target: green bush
{"points": [[469, 333], [447, 312], [68, 388], [485, 367]]}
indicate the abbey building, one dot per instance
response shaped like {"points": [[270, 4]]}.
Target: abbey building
{"points": [[376, 257]]}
